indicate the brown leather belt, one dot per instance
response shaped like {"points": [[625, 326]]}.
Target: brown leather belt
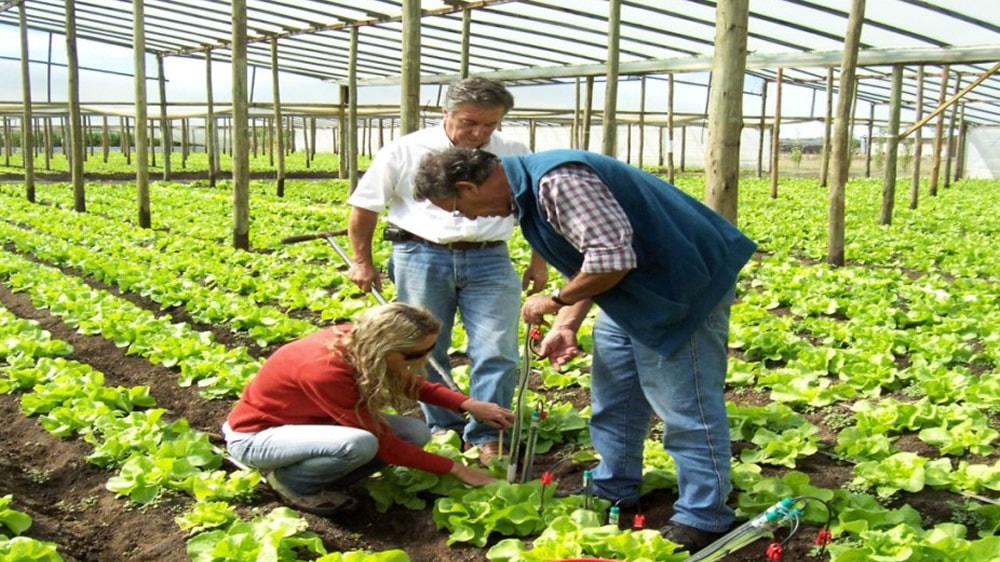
{"points": [[460, 245]]}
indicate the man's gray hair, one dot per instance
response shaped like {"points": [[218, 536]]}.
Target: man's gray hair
{"points": [[478, 91], [440, 171]]}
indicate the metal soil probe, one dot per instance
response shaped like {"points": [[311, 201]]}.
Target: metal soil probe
{"points": [[331, 238]]}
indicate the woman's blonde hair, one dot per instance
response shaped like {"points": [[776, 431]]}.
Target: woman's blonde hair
{"points": [[378, 331]]}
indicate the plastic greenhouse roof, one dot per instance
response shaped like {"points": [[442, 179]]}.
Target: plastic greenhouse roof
{"points": [[535, 41]]}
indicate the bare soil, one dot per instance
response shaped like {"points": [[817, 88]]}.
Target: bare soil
{"points": [[69, 504]]}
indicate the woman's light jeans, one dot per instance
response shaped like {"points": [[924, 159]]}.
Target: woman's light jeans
{"points": [[310, 458]]}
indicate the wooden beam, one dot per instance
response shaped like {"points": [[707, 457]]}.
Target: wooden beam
{"points": [[951, 100]]}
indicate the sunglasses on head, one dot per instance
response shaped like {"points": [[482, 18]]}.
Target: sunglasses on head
{"points": [[413, 355]]}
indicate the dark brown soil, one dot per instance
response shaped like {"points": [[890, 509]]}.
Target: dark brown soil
{"points": [[69, 504]]}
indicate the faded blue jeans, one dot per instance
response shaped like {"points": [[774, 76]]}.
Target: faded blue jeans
{"points": [[482, 286], [630, 383], [310, 458]]}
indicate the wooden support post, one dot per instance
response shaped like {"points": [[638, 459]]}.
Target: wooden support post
{"points": [[761, 128], [892, 146], [725, 115], [951, 133], [642, 119], [166, 136], [868, 146], [352, 110], [278, 147], [841, 153], [824, 169], [210, 138], [185, 145], [938, 134], [238, 128], [409, 85], [918, 141], [776, 134], [139, 85], [609, 146], [105, 139], [27, 133], [588, 112], [77, 156], [671, 172]]}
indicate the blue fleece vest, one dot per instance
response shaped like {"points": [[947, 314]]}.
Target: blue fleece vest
{"points": [[688, 255]]}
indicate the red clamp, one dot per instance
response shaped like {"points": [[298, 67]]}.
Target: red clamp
{"points": [[534, 333], [639, 521], [775, 551], [823, 537]]}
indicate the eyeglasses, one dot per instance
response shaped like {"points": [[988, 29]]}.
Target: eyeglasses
{"points": [[416, 354]]}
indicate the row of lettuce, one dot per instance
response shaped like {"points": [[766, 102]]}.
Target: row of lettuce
{"points": [[149, 454], [815, 338]]}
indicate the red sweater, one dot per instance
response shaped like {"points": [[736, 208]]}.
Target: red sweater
{"points": [[305, 383]]}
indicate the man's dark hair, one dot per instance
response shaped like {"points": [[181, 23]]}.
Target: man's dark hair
{"points": [[440, 171], [479, 91]]}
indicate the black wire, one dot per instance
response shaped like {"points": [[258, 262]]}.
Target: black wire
{"points": [[826, 525]]}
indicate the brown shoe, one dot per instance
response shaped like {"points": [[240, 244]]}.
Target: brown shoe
{"points": [[327, 502], [488, 452]]}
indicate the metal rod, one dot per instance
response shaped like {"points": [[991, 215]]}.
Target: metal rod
{"points": [[330, 237]]}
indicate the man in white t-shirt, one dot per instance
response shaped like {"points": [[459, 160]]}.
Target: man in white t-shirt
{"points": [[447, 263]]}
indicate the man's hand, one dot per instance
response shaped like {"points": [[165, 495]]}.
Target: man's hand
{"points": [[489, 413], [360, 230], [365, 276], [536, 275], [559, 346], [470, 476], [536, 307]]}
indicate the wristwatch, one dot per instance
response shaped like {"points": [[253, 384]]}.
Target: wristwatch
{"points": [[555, 297]]}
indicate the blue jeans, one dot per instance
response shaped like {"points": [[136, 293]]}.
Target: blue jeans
{"points": [[310, 458], [482, 286], [630, 383]]}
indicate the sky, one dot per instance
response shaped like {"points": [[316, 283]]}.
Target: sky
{"points": [[186, 83]]}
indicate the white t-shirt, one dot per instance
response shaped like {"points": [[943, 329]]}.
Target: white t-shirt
{"points": [[389, 181]]}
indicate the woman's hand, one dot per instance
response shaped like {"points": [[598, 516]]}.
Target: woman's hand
{"points": [[489, 413], [470, 476]]}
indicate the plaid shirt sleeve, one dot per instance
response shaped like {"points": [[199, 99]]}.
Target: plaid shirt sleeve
{"points": [[581, 208]]}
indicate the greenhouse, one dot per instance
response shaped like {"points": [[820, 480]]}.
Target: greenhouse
{"points": [[181, 186]]}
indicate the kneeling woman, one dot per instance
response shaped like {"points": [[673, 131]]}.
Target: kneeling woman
{"points": [[314, 415]]}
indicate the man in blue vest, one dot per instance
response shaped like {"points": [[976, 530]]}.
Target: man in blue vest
{"points": [[662, 267]]}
